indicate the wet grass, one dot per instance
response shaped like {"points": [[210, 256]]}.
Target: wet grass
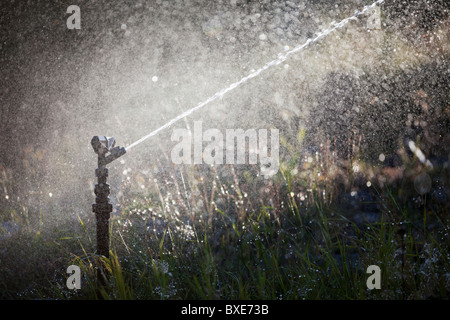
{"points": [[309, 247], [263, 257]]}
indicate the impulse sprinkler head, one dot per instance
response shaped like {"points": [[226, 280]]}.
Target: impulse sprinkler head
{"points": [[102, 145]]}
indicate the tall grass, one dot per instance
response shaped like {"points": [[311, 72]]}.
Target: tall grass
{"points": [[211, 235]]}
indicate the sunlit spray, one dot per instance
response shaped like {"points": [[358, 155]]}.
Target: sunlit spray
{"points": [[280, 59], [104, 146]]}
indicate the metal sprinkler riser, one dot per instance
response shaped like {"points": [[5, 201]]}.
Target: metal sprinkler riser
{"points": [[104, 147]]}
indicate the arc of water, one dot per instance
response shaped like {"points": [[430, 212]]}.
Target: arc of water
{"points": [[281, 58]]}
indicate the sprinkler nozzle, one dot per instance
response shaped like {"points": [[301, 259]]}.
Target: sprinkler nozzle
{"points": [[102, 145], [114, 154]]}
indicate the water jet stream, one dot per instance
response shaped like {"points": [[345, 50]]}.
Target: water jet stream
{"points": [[281, 58]]}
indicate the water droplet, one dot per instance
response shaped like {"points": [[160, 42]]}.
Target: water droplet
{"points": [[422, 183]]}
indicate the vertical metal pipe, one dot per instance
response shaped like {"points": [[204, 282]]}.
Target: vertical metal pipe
{"points": [[102, 209]]}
